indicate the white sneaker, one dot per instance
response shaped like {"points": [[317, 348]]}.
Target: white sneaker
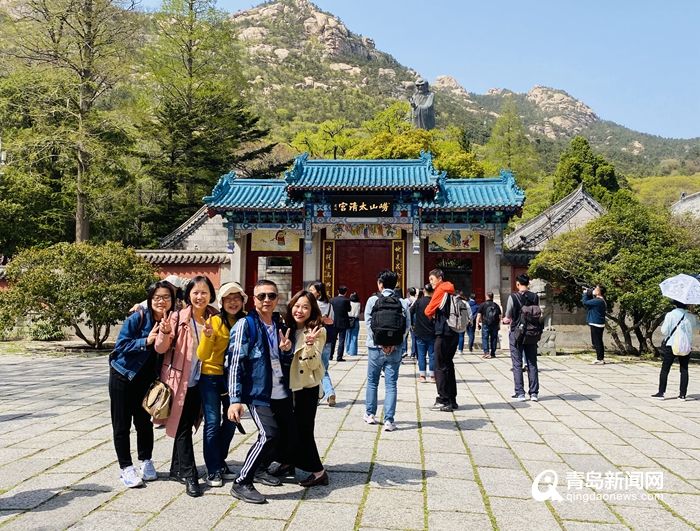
{"points": [[534, 398], [598, 362], [130, 477], [460, 352], [369, 419], [148, 471], [389, 426]]}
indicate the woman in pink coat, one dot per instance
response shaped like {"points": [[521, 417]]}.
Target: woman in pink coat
{"points": [[178, 339]]}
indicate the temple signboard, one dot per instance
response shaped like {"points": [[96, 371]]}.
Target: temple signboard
{"points": [[362, 206]]}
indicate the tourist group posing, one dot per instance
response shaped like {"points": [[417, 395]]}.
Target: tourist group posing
{"points": [[214, 363]]}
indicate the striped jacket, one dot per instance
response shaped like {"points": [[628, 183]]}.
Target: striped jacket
{"points": [[248, 362]]}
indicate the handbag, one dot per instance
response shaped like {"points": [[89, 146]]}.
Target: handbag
{"points": [[665, 347], [158, 400], [351, 322], [326, 318], [159, 396]]}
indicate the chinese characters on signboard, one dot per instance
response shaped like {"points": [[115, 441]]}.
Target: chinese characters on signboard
{"points": [[362, 206], [327, 264], [397, 261]]}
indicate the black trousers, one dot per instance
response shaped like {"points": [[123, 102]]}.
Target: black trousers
{"points": [[125, 405], [339, 340], [306, 452], [182, 463], [597, 340], [283, 413], [683, 361], [264, 448], [445, 379]]}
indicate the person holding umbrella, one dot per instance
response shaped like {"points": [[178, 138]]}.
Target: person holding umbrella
{"points": [[677, 328]]}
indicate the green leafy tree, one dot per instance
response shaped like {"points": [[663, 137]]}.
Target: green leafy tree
{"points": [[578, 164], [331, 139], [67, 56], [509, 148], [69, 285], [630, 250]]}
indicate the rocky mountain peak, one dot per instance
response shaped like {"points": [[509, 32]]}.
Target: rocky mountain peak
{"points": [[450, 83], [564, 115], [327, 30]]}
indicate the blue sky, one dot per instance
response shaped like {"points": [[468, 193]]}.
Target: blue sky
{"points": [[633, 62]]}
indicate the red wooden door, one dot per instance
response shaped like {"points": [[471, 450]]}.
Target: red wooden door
{"points": [[357, 263]]}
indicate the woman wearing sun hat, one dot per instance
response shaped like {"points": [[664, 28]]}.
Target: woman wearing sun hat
{"points": [[218, 429]]}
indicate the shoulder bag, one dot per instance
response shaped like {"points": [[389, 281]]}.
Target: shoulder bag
{"points": [[159, 397]]}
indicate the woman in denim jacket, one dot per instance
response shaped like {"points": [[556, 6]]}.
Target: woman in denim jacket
{"points": [[132, 370]]}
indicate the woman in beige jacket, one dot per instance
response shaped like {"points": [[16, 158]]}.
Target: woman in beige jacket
{"points": [[304, 320]]}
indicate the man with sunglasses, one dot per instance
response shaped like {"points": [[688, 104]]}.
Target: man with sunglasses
{"points": [[258, 360]]}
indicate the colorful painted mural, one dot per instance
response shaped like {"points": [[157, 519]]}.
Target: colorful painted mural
{"points": [[454, 241], [274, 240], [344, 231]]}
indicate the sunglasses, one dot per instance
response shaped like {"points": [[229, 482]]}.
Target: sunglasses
{"points": [[261, 296]]}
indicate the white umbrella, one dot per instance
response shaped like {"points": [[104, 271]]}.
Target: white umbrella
{"points": [[682, 288]]}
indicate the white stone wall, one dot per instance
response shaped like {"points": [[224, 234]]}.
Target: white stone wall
{"points": [[211, 236]]}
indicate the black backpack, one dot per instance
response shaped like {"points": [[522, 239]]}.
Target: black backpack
{"points": [[388, 321], [529, 329], [490, 314]]}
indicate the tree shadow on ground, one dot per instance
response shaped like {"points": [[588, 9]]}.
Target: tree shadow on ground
{"points": [[15, 416], [48, 499]]}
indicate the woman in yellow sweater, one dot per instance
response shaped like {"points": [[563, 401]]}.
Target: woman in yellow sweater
{"points": [[218, 429]]}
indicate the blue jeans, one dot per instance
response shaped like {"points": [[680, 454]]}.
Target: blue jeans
{"points": [[376, 360], [460, 343], [471, 332], [351, 339], [414, 350], [218, 430], [326, 382], [425, 346], [489, 338]]}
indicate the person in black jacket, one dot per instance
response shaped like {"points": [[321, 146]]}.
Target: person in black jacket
{"points": [[341, 309], [515, 303], [423, 330], [594, 301]]}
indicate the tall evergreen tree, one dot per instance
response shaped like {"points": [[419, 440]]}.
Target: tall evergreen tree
{"points": [[201, 126], [578, 164], [509, 148]]}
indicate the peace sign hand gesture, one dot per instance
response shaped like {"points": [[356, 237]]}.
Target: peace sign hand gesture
{"points": [[285, 342], [165, 323], [311, 335], [208, 329]]}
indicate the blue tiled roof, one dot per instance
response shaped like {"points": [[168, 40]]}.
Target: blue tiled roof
{"points": [[458, 194], [416, 174], [250, 194]]}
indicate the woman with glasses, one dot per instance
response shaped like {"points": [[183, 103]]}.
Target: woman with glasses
{"points": [[303, 317], [213, 388], [178, 339], [318, 290], [132, 370]]}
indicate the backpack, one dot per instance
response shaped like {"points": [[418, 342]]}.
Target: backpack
{"points": [[529, 329], [388, 321], [490, 314], [459, 317]]}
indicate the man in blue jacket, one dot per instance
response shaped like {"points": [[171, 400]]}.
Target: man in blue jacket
{"points": [[594, 301], [257, 352]]}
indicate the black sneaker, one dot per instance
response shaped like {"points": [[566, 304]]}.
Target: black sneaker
{"points": [[437, 406], [447, 408], [660, 396], [246, 493], [280, 471], [264, 477], [455, 405], [681, 397], [227, 474], [176, 477], [215, 480]]}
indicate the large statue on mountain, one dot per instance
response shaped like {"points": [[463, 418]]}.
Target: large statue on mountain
{"points": [[423, 105]]}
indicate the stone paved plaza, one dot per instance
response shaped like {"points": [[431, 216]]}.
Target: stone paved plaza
{"points": [[471, 469]]}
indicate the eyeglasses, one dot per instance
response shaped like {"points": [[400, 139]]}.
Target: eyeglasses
{"points": [[163, 298], [261, 296]]}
